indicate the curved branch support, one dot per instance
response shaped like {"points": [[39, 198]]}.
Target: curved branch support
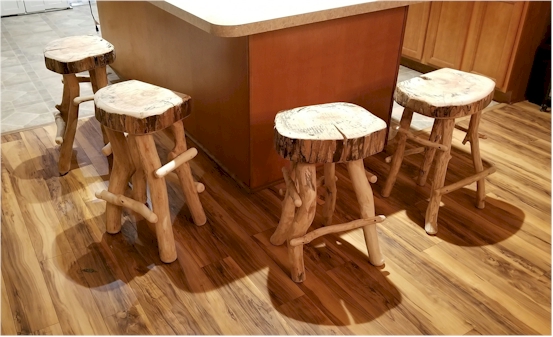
{"points": [[123, 201], [365, 198], [306, 179], [184, 173]]}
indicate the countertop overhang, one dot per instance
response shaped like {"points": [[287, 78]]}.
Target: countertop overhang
{"points": [[225, 18]]}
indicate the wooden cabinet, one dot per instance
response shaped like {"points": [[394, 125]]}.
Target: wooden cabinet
{"points": [[497, 39], [448, 28], [415, 30]]}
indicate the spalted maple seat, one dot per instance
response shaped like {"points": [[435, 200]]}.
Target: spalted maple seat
{"points": [[74, 54], [444, 95], [69, 56], [140, 109], [326, 133]]}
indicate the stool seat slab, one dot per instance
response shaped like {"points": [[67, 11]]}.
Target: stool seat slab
{"points": [[328, 133], [445, 93], [71, 55], [138, 108]]}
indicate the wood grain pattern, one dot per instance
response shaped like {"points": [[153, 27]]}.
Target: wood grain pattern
{"points": [[486, 271], [28, 295], [139, 108], [76, 309], [73, 54], [7, 323]]}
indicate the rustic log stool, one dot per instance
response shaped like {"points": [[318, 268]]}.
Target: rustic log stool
{"points": [[141, 109], [69, 56], [328, 134], [445, 95]]}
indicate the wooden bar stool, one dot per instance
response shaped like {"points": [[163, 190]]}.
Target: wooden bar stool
{"points": [[445, 95], [328, 134], [141, 109], [69, 56]]}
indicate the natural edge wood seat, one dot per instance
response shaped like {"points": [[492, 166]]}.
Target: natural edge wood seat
{"points": [[445, 95], [69, 56], [140, 109], [74, 54], [326, 133]]}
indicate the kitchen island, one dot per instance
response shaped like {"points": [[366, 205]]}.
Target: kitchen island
{"points": [[242, 62]]}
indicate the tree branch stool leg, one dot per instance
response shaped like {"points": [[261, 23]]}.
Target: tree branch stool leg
{"points": [[404, 123], [287, 214], [63, 107], [138, 179], [476, 159], [365, 198], [443, 157], [429, 153], [307, 181], [158, 193], [119, 178], [330, 193], [185, 176], [99, 79], [66, 149]]}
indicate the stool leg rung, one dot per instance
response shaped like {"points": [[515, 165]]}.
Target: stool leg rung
{"points": [[123, 201], [182, 158], [424, 142], [405, 154], [81, 99], [60, 128], [466, 181], [174, 178], [371, 177], [303, 240]]}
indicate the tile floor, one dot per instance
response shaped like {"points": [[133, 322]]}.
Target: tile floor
{"points": [[29, 90], [32, 91]]}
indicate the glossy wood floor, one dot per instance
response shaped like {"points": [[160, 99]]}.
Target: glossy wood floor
{"points": [[486, 272]]}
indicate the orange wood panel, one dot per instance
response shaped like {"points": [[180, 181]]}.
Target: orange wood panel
{"points": [[157, 47], [353, 59]]}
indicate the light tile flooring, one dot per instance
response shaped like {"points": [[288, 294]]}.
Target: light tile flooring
{"points": [[30, 91]]}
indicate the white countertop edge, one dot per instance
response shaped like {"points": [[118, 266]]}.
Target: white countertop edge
{"points": [[217, 18]]}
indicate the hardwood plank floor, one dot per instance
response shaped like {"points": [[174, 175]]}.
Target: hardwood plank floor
{"points": [[486, 271]]}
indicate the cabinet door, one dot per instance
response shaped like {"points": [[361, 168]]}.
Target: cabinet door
{"points": [[415, 30], [492, 37], [34, 6], [447, 33], [56, 4], [12, 7]]}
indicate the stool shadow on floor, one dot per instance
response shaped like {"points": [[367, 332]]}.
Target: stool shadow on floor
{"points": [[218, 260], [461, 222]]}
